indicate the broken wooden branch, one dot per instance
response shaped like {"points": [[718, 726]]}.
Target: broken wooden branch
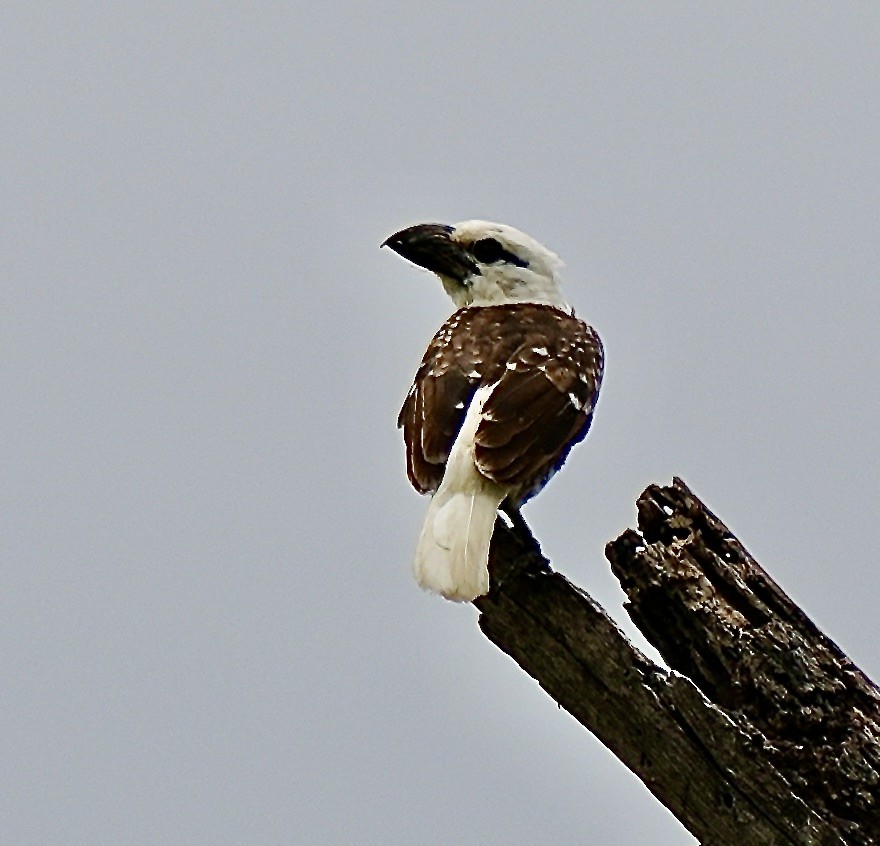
{"points": [[764, 732]]}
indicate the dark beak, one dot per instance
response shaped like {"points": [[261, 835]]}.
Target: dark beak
{"points": [[429, 245]]}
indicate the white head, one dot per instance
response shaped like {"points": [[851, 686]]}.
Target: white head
{"points": [[482, 263]]}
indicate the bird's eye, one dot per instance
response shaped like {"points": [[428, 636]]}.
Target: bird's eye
{"points": [[488, 250]]}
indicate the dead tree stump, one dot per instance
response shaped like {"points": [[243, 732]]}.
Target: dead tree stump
{"points": [[763, 733]]}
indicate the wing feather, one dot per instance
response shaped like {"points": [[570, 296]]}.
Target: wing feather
{"points": [[533, 437], [512, 405], [444, 399], [550, 426]]}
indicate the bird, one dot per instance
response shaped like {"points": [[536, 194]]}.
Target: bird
{"points": [[506, 387]]}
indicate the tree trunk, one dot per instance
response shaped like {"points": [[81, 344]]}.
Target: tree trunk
{"points": [[765, 732]]}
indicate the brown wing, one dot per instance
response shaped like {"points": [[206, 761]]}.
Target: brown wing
{"points": [[542, 406], [436, 403], [431, 417], [547, 366]]}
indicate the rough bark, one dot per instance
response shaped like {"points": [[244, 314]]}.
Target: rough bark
{"points": [[766, 733]]}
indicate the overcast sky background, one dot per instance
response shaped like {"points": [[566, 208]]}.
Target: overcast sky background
{"points": [[208, 629]]}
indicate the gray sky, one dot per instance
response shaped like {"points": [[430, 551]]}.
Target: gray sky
{"points": [[208, 631]]}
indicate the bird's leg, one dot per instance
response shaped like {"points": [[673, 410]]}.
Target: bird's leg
{"points": [[516, 550], [517, 523]]}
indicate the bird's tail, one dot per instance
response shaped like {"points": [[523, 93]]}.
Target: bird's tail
{"points": [[452, 555]]}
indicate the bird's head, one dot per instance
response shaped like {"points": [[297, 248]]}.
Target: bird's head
{"points": [[482, 263]]}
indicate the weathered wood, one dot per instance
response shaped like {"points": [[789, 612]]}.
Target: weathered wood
{"points": [[766, 734], [716, 617]]}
